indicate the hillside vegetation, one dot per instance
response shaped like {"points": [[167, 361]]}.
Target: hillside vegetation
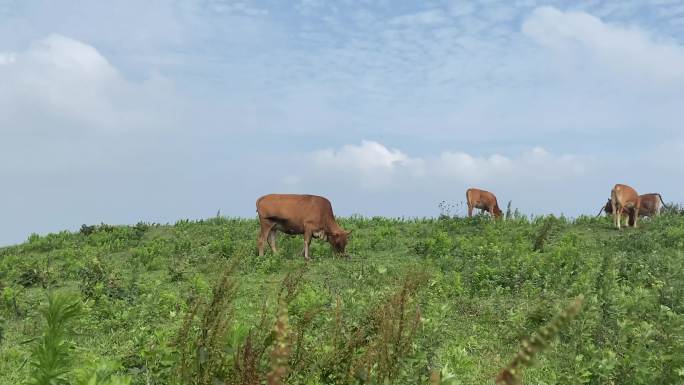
{"points": [[415, 302]]}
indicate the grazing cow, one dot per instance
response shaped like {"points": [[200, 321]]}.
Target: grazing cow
{"points": [[650, 205], [624, 198], [310, 215], [483, 200]]}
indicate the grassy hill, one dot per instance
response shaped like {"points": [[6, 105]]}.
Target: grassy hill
{"points": [[452, 297]]}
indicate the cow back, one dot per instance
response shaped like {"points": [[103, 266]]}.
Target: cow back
{"points": [[649, 204], [475, 195], [296, 209], [625, 196]]}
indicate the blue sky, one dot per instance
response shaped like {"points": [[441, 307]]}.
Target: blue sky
{"points": [[163, 110]]}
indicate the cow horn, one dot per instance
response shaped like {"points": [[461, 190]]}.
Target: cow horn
{"points": [[349, 232]]}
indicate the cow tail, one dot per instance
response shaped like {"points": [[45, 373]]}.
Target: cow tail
{"points": [[661, 200]]}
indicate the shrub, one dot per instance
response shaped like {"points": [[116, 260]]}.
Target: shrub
{"points": [[9, 301], [87, 230], [31, 277], [439, 245], [97, 279]]}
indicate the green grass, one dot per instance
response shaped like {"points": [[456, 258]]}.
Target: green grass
{"points": [[414, 297]]}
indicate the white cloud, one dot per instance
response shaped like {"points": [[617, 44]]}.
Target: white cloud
{"points": [[372, 165], [368, 156], [622, 54], [7, 58], [430, 17], [237, 8], [374, 179], [65, 108], [63, 84]]}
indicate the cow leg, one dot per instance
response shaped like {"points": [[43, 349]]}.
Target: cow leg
{"points": [[470, 210], [636, 215], [307, 241], [615, 211], [266, 227], [619, 217], [272, 240]]}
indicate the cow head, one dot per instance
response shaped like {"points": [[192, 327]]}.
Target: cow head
{"points": [[497, 212], [338, 240], [608, 207]]}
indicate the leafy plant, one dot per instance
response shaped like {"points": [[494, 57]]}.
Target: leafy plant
{"points": [[438, 245], [51, 357], [511, 375], [98, 280], [543, 234], [202, 356], [100, 373], [282, 349]]}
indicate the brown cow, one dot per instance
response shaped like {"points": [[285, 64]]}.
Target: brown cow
{"points": [[624, 198], [483, 200], [310, 215], [650, 205]]}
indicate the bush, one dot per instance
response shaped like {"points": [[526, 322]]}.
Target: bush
{"points": [[439, 245], [98, 280]]}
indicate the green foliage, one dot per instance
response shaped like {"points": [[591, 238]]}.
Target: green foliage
{"points": [[543, 233], [9, 301], [673, 208], [153, 311], [51, 356], [511, 375], [98, 280], [100, 373], [202, 357], [439, 245]]}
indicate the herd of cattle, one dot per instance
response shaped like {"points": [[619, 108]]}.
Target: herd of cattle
{"points": [[312, 215]]}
